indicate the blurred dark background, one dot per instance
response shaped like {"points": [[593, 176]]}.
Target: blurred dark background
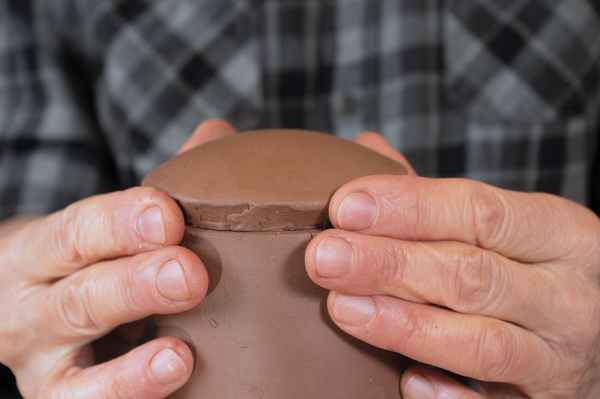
{"points": [[8, 387]]}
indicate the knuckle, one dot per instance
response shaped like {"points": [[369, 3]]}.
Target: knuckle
{"points": [[473, 279], [85, 231], [112, 387], [494, 351], [417, 327], [129, 292], [66, 236], [75, 309], [388, 257], [410, 209], [491, 214], [586, 235]]}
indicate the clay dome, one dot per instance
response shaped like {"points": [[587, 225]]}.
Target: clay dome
{"points": [[266, 180]]}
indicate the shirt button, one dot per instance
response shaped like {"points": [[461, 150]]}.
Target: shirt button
{"points": [[345, 105]]}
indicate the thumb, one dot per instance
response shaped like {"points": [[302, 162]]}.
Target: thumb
{"points": [[376, 142], [207, 131]]}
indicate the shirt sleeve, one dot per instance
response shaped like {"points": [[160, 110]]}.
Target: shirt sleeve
{"points": [[52, 151], [594, 172]]}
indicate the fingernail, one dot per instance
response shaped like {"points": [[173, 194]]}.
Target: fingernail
{"points": [[171, 282], [151, 226], [357, 212], [167, 367], [334, 258], [418, 387], [354, 310]]}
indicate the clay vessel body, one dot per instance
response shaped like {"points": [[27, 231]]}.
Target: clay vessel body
{"points": [[263, 330]]}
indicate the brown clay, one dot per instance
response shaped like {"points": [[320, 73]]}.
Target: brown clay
{"points": [[263, 330], [268, 180]]}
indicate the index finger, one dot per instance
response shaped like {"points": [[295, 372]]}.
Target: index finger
{"points": [[98, 228], [209, 130], [378, 143], [524, 227]]}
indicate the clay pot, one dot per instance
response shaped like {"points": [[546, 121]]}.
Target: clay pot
{"points": [[252, 203]]}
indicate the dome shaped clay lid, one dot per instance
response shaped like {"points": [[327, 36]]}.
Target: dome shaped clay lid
{"points": [[266, 180]]}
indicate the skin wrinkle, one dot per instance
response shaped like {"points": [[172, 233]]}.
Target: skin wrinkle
{"points": [[588, 229], [541, 365], [495, 352], [111, 240], [111, 386], [64, 241], [554, 337], [74, 302], [390, 274], [501, 277], [465, 357], [413, 325], [400, 282], [474, 274], [544, 368], [135, 277], [402, 257], [561, 237], [576, 231], [413, 210], [466, 272], [492, 213]]}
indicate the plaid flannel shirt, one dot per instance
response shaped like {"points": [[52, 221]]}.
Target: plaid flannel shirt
{"points": [[96, 93]]}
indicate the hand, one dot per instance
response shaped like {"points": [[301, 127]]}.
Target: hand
{"points": [[69, 280], [491, 284]]}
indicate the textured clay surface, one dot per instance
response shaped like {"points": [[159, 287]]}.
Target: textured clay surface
{"points": [[267, 180]]}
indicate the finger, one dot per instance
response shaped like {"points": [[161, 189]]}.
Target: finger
{"points": [[211, 129], [378, 143], [474, 346], [10, 225], [153, 370], [421, 382], [101, 227], [93, 301], [525, 227], [461, 277]]}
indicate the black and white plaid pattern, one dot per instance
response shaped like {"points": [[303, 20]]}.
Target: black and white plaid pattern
{"points": [[96, 93]]}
